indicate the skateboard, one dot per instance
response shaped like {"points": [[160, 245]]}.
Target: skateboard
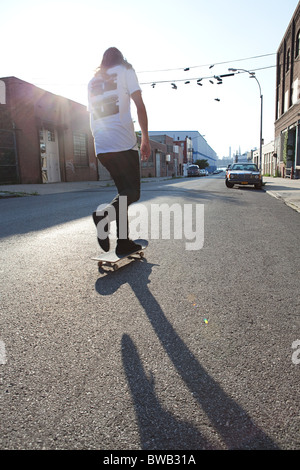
{"points": [[112, 259]]}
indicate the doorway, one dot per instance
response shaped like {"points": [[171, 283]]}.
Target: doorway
{"points": [[49, 156], [157, 164]]}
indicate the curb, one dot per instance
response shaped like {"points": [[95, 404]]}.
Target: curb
{"points": [[281, 198]]}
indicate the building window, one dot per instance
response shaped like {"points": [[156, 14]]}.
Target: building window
{"points": [[288, 60], [297, 48], [295, 91], [286, 101], [2, 92], [51, 136], [80, 149], [278, 74]]}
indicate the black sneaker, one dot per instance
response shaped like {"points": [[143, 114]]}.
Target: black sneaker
{"points": [[127, 246], [103, 242]]}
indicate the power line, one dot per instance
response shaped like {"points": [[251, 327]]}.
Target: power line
{"points": [[173, 81], [211, 77], [186, 80], [212, 64]]}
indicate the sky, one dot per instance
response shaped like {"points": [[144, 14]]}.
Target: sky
{"points": [[58, 44]]}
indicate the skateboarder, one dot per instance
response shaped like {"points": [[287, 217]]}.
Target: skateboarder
{"points": [[109, 93]]}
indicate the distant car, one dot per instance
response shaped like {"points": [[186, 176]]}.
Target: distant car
{"points": [[202, 172], [243, 174], [193, 170]]}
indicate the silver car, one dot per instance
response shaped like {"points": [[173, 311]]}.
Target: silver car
{"points": [[244, 174]]}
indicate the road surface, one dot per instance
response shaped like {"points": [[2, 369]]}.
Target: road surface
{"points": [[185, 349]]}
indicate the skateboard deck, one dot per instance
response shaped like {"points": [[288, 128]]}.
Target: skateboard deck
{"points": [[112, 259]]}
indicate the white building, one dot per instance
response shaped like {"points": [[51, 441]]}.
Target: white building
{"points": [[269, 159], [201, 149]]}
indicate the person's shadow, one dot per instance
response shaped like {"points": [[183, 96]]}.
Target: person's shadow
{"points": [[158, 428]]}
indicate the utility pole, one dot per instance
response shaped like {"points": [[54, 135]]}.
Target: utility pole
{"points": [[252, 75]]}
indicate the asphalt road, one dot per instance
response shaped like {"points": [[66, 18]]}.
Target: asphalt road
{"points": [[185, 349]]}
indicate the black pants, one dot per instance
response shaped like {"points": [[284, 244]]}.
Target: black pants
{"points": [[124, 168]]}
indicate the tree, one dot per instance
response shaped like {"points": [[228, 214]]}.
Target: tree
{"points": [[202, 164]]}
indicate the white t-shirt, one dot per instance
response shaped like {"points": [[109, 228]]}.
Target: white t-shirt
{"points": [[109, 107]]}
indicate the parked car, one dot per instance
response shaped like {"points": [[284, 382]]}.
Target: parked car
{"points": [[202, 172], [243, 174], [193, 170]]}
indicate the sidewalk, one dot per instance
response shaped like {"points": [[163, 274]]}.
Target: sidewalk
{"points": [[285, 189], [14, 190], [281, 188]]}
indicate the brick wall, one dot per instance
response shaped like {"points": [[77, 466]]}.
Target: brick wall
{"points": [[32, 109], [288, 92]]}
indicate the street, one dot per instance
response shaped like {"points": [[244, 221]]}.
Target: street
{"points": [[184, 349]]}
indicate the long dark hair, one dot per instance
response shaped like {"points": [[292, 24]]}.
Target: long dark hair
{"points": [[112, 57]]}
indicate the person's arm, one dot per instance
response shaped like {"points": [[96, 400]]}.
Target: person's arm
{"points": [[143, 122]]}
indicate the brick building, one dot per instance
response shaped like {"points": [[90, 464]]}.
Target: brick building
{"points": [[166, 157], [194, 145], [287, 136], [44, 137]]}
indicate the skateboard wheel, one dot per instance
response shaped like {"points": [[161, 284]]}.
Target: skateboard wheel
{"points": [[115, 267], [99, 264], [142, 254]]}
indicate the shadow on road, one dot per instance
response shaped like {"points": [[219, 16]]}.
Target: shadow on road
{"points": [[158, 428], [33, 214]]}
